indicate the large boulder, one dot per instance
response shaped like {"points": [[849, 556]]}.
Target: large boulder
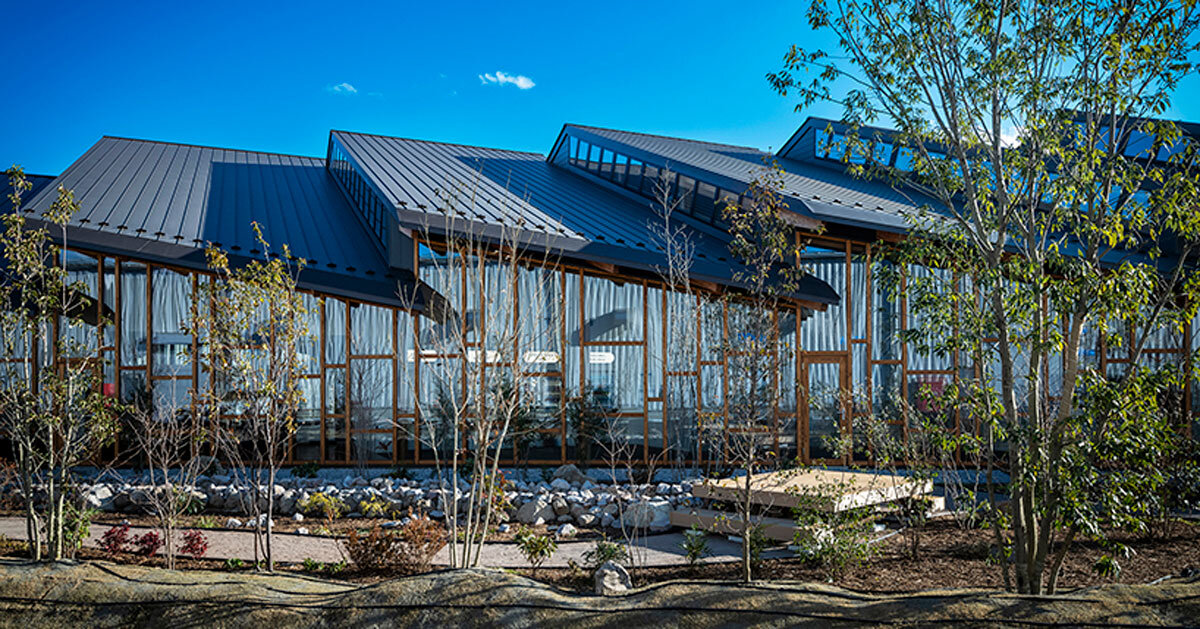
{"points": [[536, 511], [571, 474], [612, 579], [560, 506], [647, 514]]}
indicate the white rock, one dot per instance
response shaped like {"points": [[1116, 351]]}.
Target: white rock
{"points": [[233, 523], [567, 530], [612, 579], [534, 510], [298, 517], [652, 514], [302, 531]]}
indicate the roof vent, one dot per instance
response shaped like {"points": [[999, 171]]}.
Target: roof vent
{"points": [[159, 234], [350, 269], [331, 265], [102, 224]]}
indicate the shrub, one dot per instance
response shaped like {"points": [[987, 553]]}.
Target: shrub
{"points": [[695, 545], [409, 549], [233, 563], [77, 526], [605, 551], [536, 548], [306, 470], [373, 507], [836, 541], [206, 522], [324, 505], [115, 540], [148, 543], [195, 544], [311, 565]]}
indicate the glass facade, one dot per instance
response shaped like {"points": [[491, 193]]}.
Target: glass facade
{"points": [[375, 375]]}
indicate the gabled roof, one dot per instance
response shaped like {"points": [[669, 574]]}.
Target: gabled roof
{"points": [[555, 208], [825, 192], [170, 201]]}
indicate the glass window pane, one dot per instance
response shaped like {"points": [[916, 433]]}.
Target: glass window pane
{"points": [[306, 443], [706, 201], [371, 329], [540, 299], [619, 170], [614, 376], [824, 409], [825, 330], [368, 447], [885, 322], [370, 394], [172, 299], [606, 164], [634, 180], [612, 311], [133, 314], [684, 189], [405, 363], [335, 331]]}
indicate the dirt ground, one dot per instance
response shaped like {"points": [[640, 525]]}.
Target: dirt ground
{"points": [[949, 557], [101, 594]]}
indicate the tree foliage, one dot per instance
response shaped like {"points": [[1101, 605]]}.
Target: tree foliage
{"points": [[1056, 211], [52, 407]]}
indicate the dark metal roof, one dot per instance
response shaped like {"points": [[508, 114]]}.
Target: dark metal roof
{"points": [[555, 208], [825, 192], [171, 200], [193, 195]]}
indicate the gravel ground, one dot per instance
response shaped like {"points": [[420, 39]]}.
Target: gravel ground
{"points": [[660, 550]]}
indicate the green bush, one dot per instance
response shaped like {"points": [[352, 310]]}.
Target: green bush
{"points": [[324, 505], [695, 545], [605, 551], [536, 548]]}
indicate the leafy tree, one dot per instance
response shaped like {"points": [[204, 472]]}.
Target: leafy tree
{"points": [[51, 403], [765, 245], [253, 325], [1054, 209]]}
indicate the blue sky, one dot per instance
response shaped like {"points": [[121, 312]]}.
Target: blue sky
{"points": [[278, 77]]}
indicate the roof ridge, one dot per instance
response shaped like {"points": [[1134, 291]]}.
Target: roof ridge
{"points": [[665, 137], [423, 141], [211, 147]]}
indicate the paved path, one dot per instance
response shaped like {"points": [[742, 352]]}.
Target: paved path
{"points": [[659, 550]]}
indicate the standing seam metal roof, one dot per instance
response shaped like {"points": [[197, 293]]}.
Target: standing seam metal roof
{"points": [[827, 192], [193, 195]]}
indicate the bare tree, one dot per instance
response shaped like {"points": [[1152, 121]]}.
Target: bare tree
{"points": [[481, 341], [765, 246], [170, 439]]}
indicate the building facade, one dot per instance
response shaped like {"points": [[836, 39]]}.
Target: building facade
{"points": [[371, 220]]}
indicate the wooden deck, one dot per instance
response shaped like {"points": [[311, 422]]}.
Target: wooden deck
{"points": [[816, 488]]}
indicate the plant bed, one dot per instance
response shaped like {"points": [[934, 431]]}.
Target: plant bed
{"points": [[950, 557]]}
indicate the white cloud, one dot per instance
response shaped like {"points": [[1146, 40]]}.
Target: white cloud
{"points": [[1010, 136], [500, 78], [342, 88]]}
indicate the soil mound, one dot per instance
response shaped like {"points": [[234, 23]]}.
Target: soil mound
{"points": [[100, 594]]}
